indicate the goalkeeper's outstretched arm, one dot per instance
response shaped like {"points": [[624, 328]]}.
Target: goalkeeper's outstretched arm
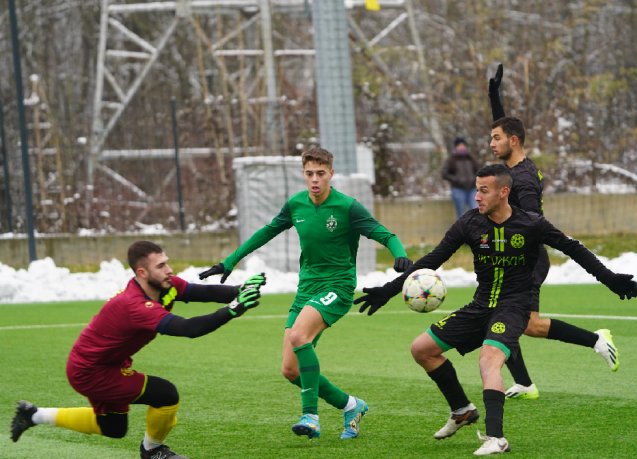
{"points": [[195, 327]]}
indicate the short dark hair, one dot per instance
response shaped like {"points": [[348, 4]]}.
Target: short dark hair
{"points": [[318, 155], [511, 126], [140, 250], [501, 173]]}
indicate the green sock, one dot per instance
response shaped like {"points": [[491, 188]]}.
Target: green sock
{"points": [[310, 370], [329, 392]]}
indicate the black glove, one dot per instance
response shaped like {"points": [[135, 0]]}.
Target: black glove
{"points": [[494, 83], [622, 285], [216, 269], [402, 264], [246, 299], [256, 281], [375, 299]]}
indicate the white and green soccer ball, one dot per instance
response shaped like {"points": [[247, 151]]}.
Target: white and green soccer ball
{"points": [[424, 290]]}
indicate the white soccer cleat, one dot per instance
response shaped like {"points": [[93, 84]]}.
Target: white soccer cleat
{"points": [[521, 392], [491, 445], [606, 348], [456, 421]]}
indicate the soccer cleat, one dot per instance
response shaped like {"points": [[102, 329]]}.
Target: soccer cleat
{"points": [[520, 392], [456, 421], [22, 419], [161, 452], [491, 445], [308, 425], [352, 418], [606, 348]]}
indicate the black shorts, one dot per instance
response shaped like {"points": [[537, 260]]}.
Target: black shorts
{"points": [[540, 271], [470, 327]]}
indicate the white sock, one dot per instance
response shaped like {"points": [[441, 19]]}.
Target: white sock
{"points": [[150, 443], [45, 416], [463, 410], [351, 403]]}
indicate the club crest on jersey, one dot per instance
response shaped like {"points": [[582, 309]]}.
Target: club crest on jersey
{"points": [[484, 241], [517, 241], [331, 223], [498, 328]]}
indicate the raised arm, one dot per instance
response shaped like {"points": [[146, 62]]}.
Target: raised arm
{"points": [[494, 94]]}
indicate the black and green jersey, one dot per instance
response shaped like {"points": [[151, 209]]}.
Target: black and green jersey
{"points": [[329, 235], [528, 184], [504, 255]]}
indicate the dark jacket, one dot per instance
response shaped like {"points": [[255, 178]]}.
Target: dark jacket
{"points": [[460, 170]]}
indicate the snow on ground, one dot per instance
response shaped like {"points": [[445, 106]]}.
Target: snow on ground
{"points": [[43, 281]]}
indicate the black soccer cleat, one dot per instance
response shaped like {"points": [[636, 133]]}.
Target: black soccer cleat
{"points": [[161, 452], [22, 419]]}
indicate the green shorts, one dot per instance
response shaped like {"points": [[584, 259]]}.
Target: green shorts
{"points": [[332, 305]]}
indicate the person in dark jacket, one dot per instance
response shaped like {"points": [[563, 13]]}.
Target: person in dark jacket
{"points": [[460, 170]]}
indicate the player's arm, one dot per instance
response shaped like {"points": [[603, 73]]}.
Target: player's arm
{"points": [[220, 293], [364, 223], [497, 111], [621, 284], [262, 236], [377, 297], [528, 197], [194, 327]]}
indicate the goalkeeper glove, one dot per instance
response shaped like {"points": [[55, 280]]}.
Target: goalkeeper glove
{"points": [[402, 264], [245, 300], [375, 299], [216, 269], [621, 284], [256, 281]]}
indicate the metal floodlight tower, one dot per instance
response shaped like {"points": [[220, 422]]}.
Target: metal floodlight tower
{"points": [[333, 31], [334, 83]]}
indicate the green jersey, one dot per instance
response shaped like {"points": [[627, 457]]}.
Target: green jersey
{"points": [[329, 234]]}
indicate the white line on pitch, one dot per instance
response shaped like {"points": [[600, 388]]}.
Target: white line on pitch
{"points": [[284, 316]]}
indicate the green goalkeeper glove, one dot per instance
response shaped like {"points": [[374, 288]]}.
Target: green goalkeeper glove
{"points": [[256, 281], [246, 299]]}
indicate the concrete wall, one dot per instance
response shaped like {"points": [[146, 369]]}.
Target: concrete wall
{"points": [[418, 221], [414, 221]]}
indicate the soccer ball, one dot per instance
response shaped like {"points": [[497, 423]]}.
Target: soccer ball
{"points": [[424, 290]]}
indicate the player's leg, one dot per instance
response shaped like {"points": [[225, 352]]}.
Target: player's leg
{"points": [[460, 330], [501, 340], [601, 341], [308, 324], [524, 389], [162, 399], [81, 419]]}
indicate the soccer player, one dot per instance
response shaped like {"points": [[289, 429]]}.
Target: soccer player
{"points": [[100, 363], [329, 224], [507, 144], [505, 242]]}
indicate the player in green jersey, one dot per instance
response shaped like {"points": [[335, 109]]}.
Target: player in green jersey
{"points": [[329, 224]]}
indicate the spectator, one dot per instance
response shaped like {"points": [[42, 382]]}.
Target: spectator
{"points": [[460, 170]]}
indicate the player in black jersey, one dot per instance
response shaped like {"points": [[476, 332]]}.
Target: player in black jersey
{"points": [[505, 242], [507, 144]]}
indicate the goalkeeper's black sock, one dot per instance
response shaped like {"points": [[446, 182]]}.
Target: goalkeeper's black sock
{"points": [[494, 416], [571, 334], [517, 367], [447, 380]]}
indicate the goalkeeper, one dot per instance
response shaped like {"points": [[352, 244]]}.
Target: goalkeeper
{"points": [[100, 363]]}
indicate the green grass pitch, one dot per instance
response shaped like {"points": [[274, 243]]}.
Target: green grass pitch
{"points": [[235, 404]]}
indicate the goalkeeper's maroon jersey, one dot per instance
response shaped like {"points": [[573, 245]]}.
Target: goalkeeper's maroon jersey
{"points": [[125, 324]]}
